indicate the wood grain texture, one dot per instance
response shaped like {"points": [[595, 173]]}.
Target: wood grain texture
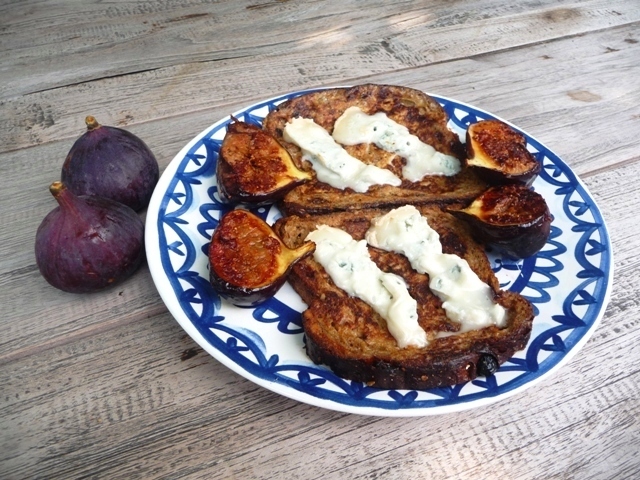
{"points": [[165, 398], [109, 386], [543, 108], [175, 33], [419, 38]]}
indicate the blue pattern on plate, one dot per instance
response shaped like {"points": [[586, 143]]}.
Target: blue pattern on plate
{"points": [[537, 278]]}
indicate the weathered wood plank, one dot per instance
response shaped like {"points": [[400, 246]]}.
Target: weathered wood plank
{"points": [[167, 409], [128, 38], [613, 52], [546, 94], [588, 135], [187, 84]]}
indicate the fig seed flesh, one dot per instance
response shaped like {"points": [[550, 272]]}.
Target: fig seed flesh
{"points": [[499, 153], [248, 262], [254, 168], [513, 218]]}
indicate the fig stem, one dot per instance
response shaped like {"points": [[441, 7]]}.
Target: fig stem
{"points": [[56, 188], [64, 197], [91, 122]]}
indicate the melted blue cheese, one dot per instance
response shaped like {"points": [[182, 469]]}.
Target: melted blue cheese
{"points": [[466, 299], [331, 162], [349, 265], [355, 127]]}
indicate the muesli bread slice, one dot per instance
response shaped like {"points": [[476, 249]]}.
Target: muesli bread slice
{"points": [[420, 113], [346, 334]]}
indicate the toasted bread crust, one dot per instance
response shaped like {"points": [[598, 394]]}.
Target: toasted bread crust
{"points": [[346, 334], [444, 362], [315, 198], [421, 114]]}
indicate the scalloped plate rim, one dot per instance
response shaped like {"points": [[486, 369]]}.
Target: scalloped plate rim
{"points": [[168, 295]]}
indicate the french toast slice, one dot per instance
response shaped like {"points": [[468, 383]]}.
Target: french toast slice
{"points": [[346, 334], [421, 114]]}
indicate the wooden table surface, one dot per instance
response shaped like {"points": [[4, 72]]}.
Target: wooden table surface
{"points": [[108, 385]]}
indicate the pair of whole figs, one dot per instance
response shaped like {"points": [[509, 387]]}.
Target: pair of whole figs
{"points": [[95, 238]]}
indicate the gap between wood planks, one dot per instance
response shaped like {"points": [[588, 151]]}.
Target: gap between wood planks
{"points": [[82, 333], [133, 72], [352, 80], [613, 166]]}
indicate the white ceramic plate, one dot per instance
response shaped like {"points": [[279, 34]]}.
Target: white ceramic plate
{"points": [[568, 283]]}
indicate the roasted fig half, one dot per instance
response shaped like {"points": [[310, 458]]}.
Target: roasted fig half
{"points": [[248, 262], [512, 218], [254, 168], [499, 153]]}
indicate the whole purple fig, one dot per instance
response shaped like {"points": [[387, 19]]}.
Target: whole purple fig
{"points": [[88, 243], [113, 163]]}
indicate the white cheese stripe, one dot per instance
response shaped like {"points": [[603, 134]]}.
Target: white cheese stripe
{"points": [[331, 162], [466, 298], [349, 265], [355, 126]]}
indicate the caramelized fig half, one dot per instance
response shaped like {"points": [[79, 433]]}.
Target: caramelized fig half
{"points": [[254, 168], [248, 262], [513, 218], [499, 153]]}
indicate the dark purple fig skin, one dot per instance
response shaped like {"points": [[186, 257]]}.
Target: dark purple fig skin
{"points": [[517, 241], [497, 177], [113, 163], [88, 243], [246, 297], [518, 233]]}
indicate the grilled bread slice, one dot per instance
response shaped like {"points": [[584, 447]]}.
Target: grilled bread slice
{"points": [[421, 114], [347, 335]]}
